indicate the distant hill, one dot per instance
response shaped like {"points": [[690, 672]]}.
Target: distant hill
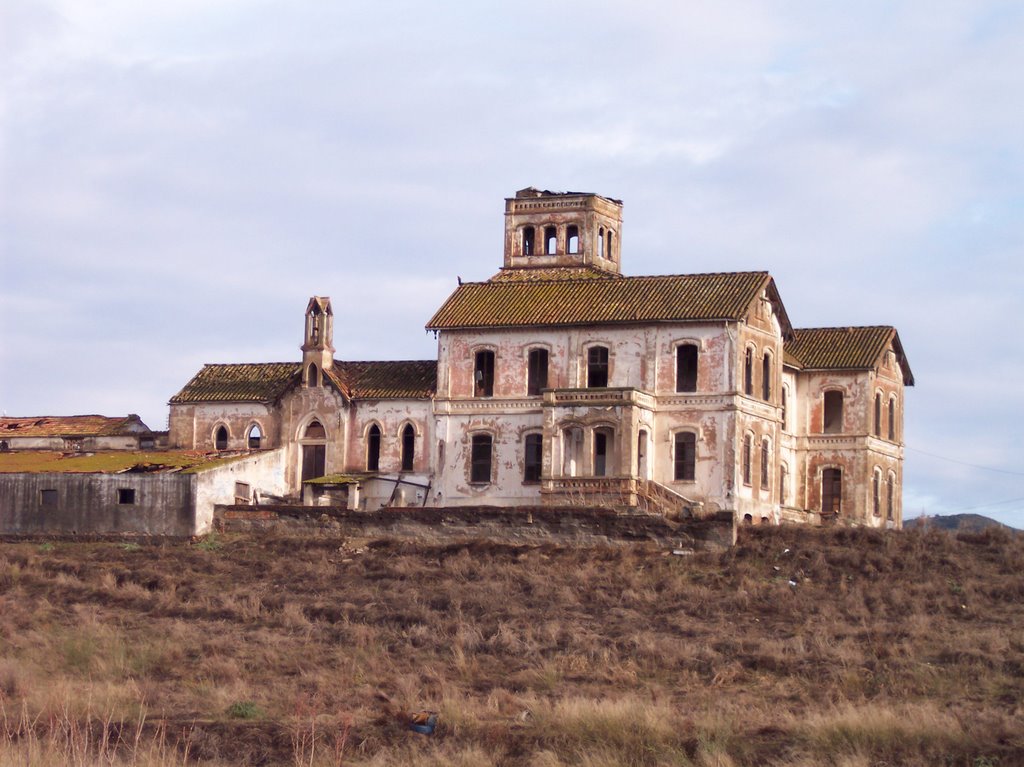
{"points": [[971, 522]]}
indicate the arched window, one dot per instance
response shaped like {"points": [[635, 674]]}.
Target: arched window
{"points": [[572, 239], [831, 491], [785, 414], [878, 414], [533, 457], [766, 377], [528, 244], [480, 459], [600, 242], [408, 447], [686, 368], [832, 413], [315, 430], [255, 437], [892, 419], [876, 493], [220, 438], [483, 374], [597, 367], [685, 456], [748, 458], [536, 372], [748, 372], [373, 448], [609, 249], [550, 240], [765, 463], [314, 456], [890, 493], [312, 376]]}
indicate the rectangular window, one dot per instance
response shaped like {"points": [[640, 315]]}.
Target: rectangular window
{"points": [[686, 368], [831, 491], [243, 493], [483, 374], [832, 416], [480, 459], [537, 372], [533, 458], [126, 496], [47, 497], [597, 367], [600, 453], [686, 456]]}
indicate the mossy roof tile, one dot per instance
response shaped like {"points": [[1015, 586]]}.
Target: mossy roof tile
{"points": [[845, 348]]}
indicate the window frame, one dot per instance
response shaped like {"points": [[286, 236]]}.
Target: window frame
{"points": [[767, 372], [527, 240], [408, 447], [219, 444], [126, 496], [747, 460], [766, 449], [684, 456], [834, 425], [600, 368], [478, 462], [835, 474], [533, 457], [748, 371], [892, 418], [374, 437], [537, 376], [484, 363], [687, 378]]}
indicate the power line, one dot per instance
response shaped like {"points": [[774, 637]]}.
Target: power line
{"points": [[983, 506], [964, 463]]}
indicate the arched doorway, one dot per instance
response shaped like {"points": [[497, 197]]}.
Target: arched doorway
{"points": [[314, 451]]}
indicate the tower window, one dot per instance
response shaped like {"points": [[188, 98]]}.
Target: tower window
{"points": [[550, 240], [597, 367], [220, 438], [748, 372], [783, 480], [600, 242], [876, 493], [533, 457], [890, 491], [765, 463], [892, 419], [572, 237], [766, 377], [831, 491], [480, 459], [785, 397], [483, 374], [255, 437], [832, 413], [408, 447], [373, 448], [685, 467], [686, 368], [878, 414], [748, 458], [608, 249], [528, 244], [537, 372], [312, 376]]}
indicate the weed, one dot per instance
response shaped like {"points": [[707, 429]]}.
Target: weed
{"points": [[244, 709]]}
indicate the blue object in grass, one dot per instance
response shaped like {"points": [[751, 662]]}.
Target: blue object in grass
{"points": [[423, 722]]}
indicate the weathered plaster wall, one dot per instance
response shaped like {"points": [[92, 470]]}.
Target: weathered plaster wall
{"points": [[193, 426], [263, 472]]}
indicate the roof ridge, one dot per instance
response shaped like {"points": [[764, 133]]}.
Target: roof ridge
{"points": [[847, 327], [616, 277]]}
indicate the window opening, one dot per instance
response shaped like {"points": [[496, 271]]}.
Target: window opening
{"points": [[765, 455], [748, 449], [686, 368], [4, 447], [483, 374], [220, 439], [408, 447], [48, 497], [748, 373], [572, 237], [533, 457], [126, 496], [686, 456], [890, 491], [572, 441], [550, 240], [831, 491], [480, 467], [783, 478], [766, 377], [892, 419], [600, 242], [611, 253], [597, 367], [528, 245], [373, 448], [315, 430], [832, 422], [876, 493], [600, 453], [312, 377], [537, 372], [785, 397], [255, 437], [878, 414], [243, 492]]}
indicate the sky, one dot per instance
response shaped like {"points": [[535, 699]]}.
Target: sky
{"points": [[177, 178]]}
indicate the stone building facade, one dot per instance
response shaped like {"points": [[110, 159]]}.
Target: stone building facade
{"points": [[560, 381]]}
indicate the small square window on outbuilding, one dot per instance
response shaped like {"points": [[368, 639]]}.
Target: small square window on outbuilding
{"points": [[243, 493], [126, 496], [48, 497]]}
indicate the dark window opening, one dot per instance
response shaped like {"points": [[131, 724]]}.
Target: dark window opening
{"points": [[373, 448], [748, 373], [611, 253], [785, 397], [766, 378], [831, 491], [255, 437], [765, 456], [572, 238], [408, 447], [878, 414], [533, 457], [480, 466], [483, 374], [686, 456], [600, 242], [686, 368], [597, 367], [220, 439], [550, 240], [4, 447], [890, 491], [537, 372], [126, 496], [748, 450], [312, 376], [528, 245], [48, 497], [832, 417], [876, 494], [892, 419], [600, 453]]}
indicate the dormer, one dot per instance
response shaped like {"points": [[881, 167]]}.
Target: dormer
{"points": [[317, 348], [562, 229]]}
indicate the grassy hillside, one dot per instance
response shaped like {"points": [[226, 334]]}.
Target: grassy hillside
{"points": [[797, 647]]}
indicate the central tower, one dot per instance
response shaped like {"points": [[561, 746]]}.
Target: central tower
{"points": [[562, 229]]}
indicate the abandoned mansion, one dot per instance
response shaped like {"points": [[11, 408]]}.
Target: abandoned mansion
{"points": [[560, 381]]}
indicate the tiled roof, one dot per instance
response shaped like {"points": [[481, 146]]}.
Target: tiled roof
{"points": [[112, 461], [525, 274], [588, 301], [844, 348], [247, 382], [71, 426], [404, 379]]}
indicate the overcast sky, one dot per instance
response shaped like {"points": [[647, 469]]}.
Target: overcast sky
{"points": [[177, 178]]}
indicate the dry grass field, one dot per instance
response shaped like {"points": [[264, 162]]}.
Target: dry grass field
{"points": [[797, 647]]}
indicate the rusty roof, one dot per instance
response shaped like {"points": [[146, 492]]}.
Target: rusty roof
{"points": [[113, 461], [845, 348], [244, 382], [71, 426], [397, 379], [680, 297]]}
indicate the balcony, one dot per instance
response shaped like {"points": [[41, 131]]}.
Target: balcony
{"points": [[604, 397]]}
